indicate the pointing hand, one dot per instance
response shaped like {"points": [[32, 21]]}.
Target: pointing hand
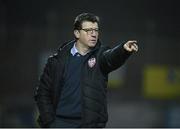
{"points": [[131, 46]]}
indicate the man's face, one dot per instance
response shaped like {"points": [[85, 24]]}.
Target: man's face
{"points": [[88, 35]]}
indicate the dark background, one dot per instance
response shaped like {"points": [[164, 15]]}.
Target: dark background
{"points": [[30, 30]]}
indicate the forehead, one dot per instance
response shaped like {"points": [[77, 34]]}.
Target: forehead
{"points": [[88, 24]]}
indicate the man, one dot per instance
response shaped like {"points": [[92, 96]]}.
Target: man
{"points": [[72, 89]]}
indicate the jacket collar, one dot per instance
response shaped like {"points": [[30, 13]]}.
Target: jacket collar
{"points": [[68, 45]]}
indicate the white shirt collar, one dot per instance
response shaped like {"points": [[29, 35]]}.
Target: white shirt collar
{"points": [[74, 50]]}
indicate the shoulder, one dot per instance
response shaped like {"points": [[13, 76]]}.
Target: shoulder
{"points": [[61, 50], [103, 48], [53, 56], [52, 59]]}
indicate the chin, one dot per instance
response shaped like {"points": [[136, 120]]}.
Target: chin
{"points": [[92, 44]]}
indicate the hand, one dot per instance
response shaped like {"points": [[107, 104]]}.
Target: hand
{"points": [[131, 46]]}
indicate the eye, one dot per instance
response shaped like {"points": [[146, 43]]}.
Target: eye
{"points": [[90, 30], [97, 30]]}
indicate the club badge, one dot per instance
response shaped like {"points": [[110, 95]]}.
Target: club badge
{"points": [[92, 62]]}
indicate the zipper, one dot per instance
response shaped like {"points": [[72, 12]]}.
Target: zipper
{"points": [[82, 87]]}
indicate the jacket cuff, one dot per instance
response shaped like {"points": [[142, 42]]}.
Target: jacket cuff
{"points": [[45, 120]]}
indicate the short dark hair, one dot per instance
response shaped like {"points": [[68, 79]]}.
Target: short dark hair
{"points": [[84, 17]]}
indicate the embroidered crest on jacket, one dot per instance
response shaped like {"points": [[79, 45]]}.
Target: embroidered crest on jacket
{"points": [[92, 62]]}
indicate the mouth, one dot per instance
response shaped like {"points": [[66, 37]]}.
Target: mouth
{"points": [[93, 40]]}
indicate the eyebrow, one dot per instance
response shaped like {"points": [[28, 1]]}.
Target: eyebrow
{"points": [[90, 28]]}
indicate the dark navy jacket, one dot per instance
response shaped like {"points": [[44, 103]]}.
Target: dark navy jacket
{"points": [[94, 77]]}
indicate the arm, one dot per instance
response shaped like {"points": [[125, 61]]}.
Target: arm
{"points": [[112, 59], [43, 96]]}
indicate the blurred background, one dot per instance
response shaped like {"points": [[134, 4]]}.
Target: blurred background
{"points": [[145, 92]]}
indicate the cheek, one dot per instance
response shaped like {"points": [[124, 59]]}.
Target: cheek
{"points": [[84, 37]]}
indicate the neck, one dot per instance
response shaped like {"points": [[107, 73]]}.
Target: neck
{"points": [[82, 49]]}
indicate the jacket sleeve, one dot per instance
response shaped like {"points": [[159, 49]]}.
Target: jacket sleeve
{"points": [[112, 59], [43, 95]]}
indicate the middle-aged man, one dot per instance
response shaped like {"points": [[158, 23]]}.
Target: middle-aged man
{"points": [[72, 89]]}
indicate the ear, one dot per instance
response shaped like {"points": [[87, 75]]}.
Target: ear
{"points": [[76, 33]]}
